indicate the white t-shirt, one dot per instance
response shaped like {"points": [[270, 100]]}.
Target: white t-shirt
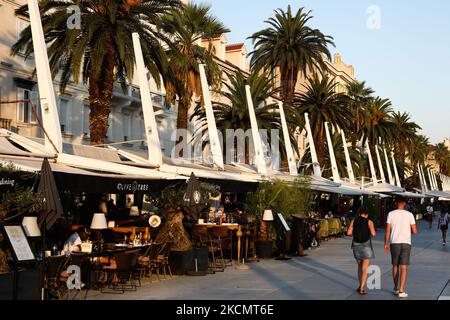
{"points": [[401, 222], [72, 243]]}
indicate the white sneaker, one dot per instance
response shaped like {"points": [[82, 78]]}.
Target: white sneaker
{"points": [[402, 295], [396, 292]]}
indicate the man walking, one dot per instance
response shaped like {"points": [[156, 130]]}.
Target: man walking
{"points": [[400, 225]]}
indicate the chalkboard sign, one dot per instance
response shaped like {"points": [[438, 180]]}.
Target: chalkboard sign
{"points": [[19, 243], [283, 222]]}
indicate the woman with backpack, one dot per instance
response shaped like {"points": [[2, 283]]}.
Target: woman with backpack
{"points": [[444, 219], [362, 229]]}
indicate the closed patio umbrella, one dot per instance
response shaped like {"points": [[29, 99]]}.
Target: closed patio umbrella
{"points": [[47, 188], [194, 203]]}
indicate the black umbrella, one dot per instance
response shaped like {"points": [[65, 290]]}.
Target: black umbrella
{"points": [[194, 203], [47, 188]]}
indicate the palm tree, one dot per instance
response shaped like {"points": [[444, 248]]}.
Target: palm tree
{"points": [[102, 49], [290, 45], [442, 157], [234, 114], [188, 26], [405, 133], [355, 157], [378, 126], [359, 96], [323, 104], [419, 151]]}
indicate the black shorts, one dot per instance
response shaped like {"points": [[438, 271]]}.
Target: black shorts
{"points": [[400, 254], [429, 217], [444, 227]]}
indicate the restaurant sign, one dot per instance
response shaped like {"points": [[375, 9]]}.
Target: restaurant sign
{"points": [[7, 182], [132, 187]]}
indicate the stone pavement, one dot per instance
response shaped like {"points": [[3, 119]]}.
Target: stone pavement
{"points": [[328, 272]]}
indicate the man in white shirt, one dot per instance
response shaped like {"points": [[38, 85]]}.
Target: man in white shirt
{"points": [[73, 243], [400, 225]]}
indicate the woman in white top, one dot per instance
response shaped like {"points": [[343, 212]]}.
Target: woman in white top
{"points": [[444, 219]]}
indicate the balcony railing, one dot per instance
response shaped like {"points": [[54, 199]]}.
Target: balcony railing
{"points": [[5, 123]]}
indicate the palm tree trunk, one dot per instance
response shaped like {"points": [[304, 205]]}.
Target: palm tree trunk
{"points": [[100, 97], [288, 83], [182, 121], [320, 148]]}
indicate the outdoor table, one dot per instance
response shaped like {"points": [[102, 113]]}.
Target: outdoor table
{"points": [[229, 226]]}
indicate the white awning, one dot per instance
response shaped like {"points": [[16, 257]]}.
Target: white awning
{"points": [[385, 188], [7, 148], [338, 190], [407, 194]]}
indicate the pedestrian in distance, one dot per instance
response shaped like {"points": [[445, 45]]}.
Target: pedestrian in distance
{"points": [[362, 229], [429, 215], [444, 220], [399, 227]]}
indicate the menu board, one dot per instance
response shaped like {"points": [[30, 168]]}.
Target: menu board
{"points": [[19, 243], [285, 225]]}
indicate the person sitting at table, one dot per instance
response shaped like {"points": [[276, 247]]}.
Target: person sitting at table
{"points": [[73, 243], [239, 216], [220, 214]]}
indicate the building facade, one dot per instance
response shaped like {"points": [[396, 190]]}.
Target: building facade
{"points": [[126, 124]]}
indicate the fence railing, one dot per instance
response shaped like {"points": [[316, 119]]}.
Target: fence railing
{"points": [[5, 123]]}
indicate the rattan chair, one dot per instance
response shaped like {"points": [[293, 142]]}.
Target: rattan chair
{"points": [[119, 274]]}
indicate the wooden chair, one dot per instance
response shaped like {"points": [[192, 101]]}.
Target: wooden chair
{"points": [[149, 261], [135, 270], [162, 261], [222, 237], [119, 274], [55, 278]]}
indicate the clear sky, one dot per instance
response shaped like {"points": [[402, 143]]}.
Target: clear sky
{"points": [[406, 59]]}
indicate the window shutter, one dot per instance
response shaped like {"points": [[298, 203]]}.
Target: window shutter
{"points": [[34, 97], [20, 106]]}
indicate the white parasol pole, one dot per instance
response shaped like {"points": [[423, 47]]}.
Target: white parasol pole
{"points": [[50, 117], [151, 128], [216, 149]]}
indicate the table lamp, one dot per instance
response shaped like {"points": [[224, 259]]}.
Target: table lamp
{"points": [[99, 223], [134, 211], [268, 217], [31, 227]]}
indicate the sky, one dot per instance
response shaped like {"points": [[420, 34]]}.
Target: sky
{"points": [[401, 48]]}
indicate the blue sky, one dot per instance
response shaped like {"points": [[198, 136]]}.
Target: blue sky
{"points": [[406, 60]]}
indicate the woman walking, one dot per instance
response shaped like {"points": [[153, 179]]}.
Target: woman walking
{"points": [[444, 219], [362, 229]]}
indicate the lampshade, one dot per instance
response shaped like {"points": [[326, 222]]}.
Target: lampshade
{"points": [[31, 227], [268, 215], [134, 211], [99, 222]]}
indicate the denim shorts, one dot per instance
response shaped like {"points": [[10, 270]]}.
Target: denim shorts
{"points": [[363, 251], [400, 254]]}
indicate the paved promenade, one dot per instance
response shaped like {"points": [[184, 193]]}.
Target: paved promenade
{"points": [[328, 272]]}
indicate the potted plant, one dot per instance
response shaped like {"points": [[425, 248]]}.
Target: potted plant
{"points": [[279, 197], [259, 202]]}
